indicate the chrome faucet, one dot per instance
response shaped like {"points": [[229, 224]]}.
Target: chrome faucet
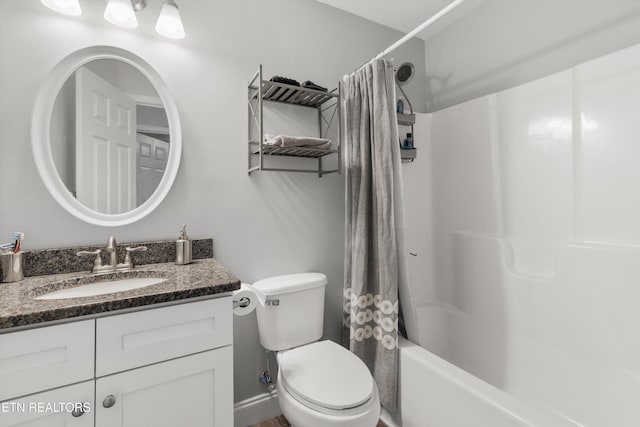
{"points": [[113, 265], [112, 250]]}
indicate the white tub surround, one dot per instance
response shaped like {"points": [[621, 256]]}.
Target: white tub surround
{"points": [[534, 239]]}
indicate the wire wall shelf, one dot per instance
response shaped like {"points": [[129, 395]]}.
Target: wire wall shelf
{"points": [[296, 95], [326, 103], [308, 152]]}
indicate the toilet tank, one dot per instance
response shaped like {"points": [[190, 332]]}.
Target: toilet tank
{"points": [[291, 310]]}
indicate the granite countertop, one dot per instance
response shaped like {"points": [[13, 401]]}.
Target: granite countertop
{"points": [[19, 308]]}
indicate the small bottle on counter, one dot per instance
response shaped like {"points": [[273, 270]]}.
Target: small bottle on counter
{"points": [[183, 248]]}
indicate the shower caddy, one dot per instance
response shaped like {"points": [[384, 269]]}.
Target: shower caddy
{"points": [[266, 90], [408, 120]]}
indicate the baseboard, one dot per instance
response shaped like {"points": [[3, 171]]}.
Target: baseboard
{"points": [[256, 409], [265, 406]]}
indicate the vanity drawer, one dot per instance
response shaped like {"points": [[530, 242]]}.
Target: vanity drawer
{"points": [[137, 339], [44, 358], [30, 411]]}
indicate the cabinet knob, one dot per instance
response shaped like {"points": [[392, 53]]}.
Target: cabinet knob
{"points": [[78, 412], [109, 401]]}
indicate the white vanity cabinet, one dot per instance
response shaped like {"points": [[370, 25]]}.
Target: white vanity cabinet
{"points": [[159, 367]]}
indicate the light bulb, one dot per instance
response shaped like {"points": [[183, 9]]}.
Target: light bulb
{"points": [[169, 22], [66, 7], [121, 13]]}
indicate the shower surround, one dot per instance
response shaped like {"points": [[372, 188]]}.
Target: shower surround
{"points": [[527, 235]]}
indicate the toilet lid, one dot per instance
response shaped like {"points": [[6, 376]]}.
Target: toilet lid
{"points": [[290, 283], [326, 374]]}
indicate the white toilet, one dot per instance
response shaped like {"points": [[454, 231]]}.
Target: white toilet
{"points": [[320, 383]]}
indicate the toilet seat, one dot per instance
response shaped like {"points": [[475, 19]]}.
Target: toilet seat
{"points": [[326, 377]]}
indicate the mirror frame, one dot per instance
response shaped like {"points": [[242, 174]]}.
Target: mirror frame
{"points": [[41, 140]]}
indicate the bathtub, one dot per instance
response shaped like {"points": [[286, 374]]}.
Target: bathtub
{"points": [[498, 347], [468, 373], [436, 393]]}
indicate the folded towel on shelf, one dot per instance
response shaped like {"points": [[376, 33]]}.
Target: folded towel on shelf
{"points": [[297, 141], [311, 85], [285, 80]]}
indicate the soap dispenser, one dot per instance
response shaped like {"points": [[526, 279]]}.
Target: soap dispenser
{"points": [[183, 248]]}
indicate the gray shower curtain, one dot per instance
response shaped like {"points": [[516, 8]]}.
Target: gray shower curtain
{"points": [[375, 260]]}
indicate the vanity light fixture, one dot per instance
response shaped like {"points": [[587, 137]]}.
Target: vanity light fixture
{"points": [[121, 13], [66, 7], [169, 22]]}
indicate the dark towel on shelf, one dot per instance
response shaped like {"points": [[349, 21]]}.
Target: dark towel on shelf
{"points": [[279, 91], [311, 85], [285, 80]]}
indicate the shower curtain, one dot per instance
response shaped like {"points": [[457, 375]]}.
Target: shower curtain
{"points": [[375, 259]]}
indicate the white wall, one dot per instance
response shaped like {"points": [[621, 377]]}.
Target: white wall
{"points": [[535, 200], [263, 225], [504, 43]]}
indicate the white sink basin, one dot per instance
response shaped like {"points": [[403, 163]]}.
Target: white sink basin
{"points": [[101, 288]]}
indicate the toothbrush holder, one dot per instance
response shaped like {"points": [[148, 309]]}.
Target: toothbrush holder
{"points": [[11, 267]]}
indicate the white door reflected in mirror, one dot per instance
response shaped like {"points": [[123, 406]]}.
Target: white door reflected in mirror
{"points": [[106, 136], [105, 145], [151, 163], [104, 151]]}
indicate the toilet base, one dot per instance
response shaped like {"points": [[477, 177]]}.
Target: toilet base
{"points": [[300, 415]]}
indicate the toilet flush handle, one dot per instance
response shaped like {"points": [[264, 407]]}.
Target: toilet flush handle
{"points": [[273, 301]]}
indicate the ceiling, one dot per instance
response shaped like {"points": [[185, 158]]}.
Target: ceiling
{"points": [[404, 15]]}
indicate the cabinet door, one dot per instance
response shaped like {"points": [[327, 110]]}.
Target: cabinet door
{"points": [[32, 411], [45, 358], [194, 391]]}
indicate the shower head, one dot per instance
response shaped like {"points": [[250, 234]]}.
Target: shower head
{"points": [[405, 73]]}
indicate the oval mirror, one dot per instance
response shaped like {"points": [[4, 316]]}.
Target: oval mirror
{"points": [[106, 136]]}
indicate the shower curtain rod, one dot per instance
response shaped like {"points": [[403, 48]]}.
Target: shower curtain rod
{"points": [[419, 28]]}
